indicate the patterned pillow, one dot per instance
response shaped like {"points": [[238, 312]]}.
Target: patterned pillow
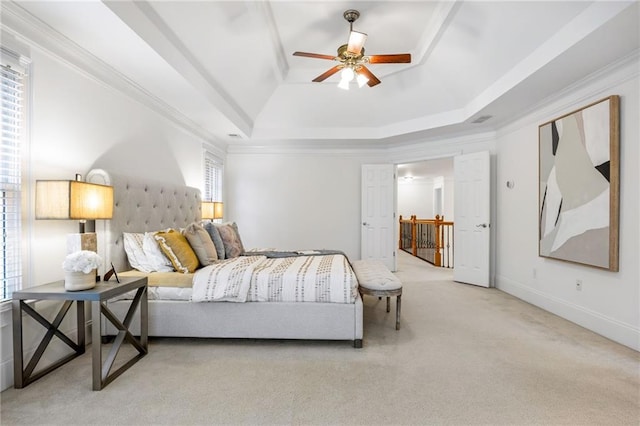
{"points": [[133, 247], [176, 247], [201, 243], [215, 237], [231, 239]]}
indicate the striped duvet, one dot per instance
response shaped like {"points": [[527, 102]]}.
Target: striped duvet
{"points": [[320, 278]]}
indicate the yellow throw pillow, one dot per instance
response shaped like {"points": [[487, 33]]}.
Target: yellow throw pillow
{"points": [[176, 247]]}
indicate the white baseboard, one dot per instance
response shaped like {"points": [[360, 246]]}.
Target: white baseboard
{"points": [[6, 374], [618, 331]]}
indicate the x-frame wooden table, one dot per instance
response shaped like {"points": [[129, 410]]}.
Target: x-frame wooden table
{"points": [[103, 291]]}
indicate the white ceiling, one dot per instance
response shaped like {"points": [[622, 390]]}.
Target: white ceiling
{"points": [[226, 67]]}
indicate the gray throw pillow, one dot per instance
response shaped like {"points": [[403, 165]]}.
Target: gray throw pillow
{"points": [[216, 238]]}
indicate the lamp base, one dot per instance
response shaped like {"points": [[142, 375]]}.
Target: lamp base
{"points": [[77, 242]]}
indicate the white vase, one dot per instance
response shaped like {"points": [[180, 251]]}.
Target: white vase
{"points": [[74, 281]]}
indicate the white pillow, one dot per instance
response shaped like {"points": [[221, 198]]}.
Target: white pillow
{"points": [[135, 253], [155, 257]]}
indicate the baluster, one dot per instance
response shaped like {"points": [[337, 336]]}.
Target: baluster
{"points": [[414, 249]]}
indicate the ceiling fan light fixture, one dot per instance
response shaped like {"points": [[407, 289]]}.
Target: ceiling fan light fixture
{"points": [[344, 84], [351, 58], [347, 74], [361, 79]]}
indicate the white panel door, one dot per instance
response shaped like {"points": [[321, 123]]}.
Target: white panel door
{"points": [[378, 214], [471, 245]]}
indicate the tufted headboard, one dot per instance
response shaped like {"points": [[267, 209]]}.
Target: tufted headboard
{"points": [[141, 206]]}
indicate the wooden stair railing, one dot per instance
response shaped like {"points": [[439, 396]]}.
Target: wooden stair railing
{"points": [[428, 239]]}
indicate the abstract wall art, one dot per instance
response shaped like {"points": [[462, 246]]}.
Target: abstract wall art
{"points": [[579, 185]]}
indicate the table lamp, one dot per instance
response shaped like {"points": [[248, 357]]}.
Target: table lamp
{"points": [[212, 210], [74, 200]]}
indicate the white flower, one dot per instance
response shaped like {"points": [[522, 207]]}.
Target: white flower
{"points": [[82, 261]]}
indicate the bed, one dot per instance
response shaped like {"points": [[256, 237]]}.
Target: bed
{"points": [[141, 206]]}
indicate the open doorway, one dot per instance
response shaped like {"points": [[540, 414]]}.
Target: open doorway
{"points": [[425, 206], [425, 188]]}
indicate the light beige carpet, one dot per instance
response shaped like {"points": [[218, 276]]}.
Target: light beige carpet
{"points": [[464, 355]]}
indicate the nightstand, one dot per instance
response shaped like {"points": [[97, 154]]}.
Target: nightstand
{"points": [[103, 291]]}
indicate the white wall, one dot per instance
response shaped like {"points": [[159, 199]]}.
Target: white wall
{"points": [[609, 302], [449, 192], [415, 198], [306, 199], [295, 201], [77, 124]]}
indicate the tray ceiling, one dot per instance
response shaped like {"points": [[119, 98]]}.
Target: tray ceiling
{"points": [[226, 67]]}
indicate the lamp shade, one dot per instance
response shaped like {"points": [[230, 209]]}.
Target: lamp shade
{"points": [[212, 210], [356, 42], [347, 74], [71, 199]]}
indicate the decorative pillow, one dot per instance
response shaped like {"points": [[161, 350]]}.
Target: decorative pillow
{"points": [[235, 228], [135, 253], [231, 240], [216, 238], [201, 243], [176, 247], [156, 259]]}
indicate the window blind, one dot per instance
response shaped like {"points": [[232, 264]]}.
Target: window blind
{"points": [[12, 86], [212, 178]]}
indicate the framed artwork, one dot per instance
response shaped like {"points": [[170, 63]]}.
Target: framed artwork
{"points": [[579, 182]]}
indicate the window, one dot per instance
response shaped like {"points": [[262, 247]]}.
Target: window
{"points": [[212, 178], [12, 79]]}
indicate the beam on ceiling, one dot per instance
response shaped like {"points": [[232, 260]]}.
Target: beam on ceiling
{"points": [[145, 21], [25, 26]]}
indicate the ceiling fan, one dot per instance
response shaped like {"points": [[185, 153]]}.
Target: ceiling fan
{"points": [[353, 60]]}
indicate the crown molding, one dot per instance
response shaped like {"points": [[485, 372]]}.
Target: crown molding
{"points": [[305, 149], [418, 151], [23, 25]]}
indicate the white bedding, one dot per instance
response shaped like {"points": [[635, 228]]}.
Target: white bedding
{"points": [[326, 279], [321, 278], [225, 281], [160, 293], [168, 293]]}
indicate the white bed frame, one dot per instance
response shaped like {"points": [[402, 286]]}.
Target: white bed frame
{"points": [[147, 206]]}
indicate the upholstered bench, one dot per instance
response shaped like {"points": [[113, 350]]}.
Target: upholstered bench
{"points": [[375, 279]]}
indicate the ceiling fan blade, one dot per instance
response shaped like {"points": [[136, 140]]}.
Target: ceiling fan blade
{"points": [[373, 80], [398, 58], [314, 55], [328, 73], [356, 42]]}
